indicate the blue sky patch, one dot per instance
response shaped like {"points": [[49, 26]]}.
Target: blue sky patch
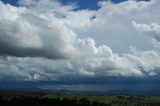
{"points": [[82, 4]]}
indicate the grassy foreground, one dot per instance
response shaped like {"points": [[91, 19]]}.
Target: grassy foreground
{"points": [[49, 99]]}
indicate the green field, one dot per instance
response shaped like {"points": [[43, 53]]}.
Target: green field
{"points": [[111, 100]]}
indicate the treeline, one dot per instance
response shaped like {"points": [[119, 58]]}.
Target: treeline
{"points": [[36, 101], [43, 99]]}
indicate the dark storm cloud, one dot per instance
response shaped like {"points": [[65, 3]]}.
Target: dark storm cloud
{"points": [[10, 50], [110, 85]]}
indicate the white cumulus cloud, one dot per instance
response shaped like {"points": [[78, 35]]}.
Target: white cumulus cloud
{"points": [[45, 40]]}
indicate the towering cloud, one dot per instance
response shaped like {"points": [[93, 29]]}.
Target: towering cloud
{"points": [[25, 33]]}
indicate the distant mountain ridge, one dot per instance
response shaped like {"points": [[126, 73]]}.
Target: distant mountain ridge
{"points": [[111, 92]]}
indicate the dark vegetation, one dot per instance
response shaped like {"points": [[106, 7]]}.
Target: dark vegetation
{"points": [[8, 98]]}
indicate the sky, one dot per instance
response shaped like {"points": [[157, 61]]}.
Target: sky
{"points": [[97, 45]]}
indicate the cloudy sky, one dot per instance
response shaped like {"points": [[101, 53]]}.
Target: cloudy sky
{"points": [[80, 44]]}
